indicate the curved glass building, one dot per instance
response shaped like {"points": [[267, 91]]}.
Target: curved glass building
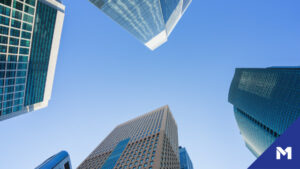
{"points": [[60, 160], [266, 102]]}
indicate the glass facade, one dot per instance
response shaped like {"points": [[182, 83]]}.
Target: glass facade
{"points": [[141, 18], [16, 23], [168, 8], [185, 161], [27, 31], [185, 4], [40, 53], [145, 19], [266, 102]]}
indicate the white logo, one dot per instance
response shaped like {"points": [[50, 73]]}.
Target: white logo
{"points": [[287, 151]]}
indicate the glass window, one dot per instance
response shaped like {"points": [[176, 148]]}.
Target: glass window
{"points": [[10, 74], [27, 26], [2, 57], [24, 51], [30, 2], [23, 58], [22, 66], [3, 39], [4, 20], [6, 2], [29, 10], [28, 18], [18, 5], [21, 73], [11, 66], [15, 23], [14, 41], [25, 43], [14, 32], [4, 10], [17, 14], [13, 50], [12, 58], [26, 35], [3, 48], [3, 30]]}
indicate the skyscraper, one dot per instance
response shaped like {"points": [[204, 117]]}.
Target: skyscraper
{"points": [[266, 102], [30, 32], [185, 161], [149, 142], [150, 21], [60, 160]]}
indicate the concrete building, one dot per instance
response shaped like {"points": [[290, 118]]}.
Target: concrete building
{"points": [[149, 142]]}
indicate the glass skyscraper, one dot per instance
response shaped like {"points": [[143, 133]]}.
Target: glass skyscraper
{"points": [[60, 160], [150, 21], [149, 142], [185, 161], [30, 33], [266, 102]]}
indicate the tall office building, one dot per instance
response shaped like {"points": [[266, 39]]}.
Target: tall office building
{"points": [[30, 33], [266, 102], [185, 161], [149, 142], [60, 160], [150, 21]]}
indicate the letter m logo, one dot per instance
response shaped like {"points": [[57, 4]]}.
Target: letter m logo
{"points": [[287, 151]]}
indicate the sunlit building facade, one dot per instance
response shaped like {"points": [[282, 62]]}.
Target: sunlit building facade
{"points": [[150, 21], [30, 32], [266, 102], [149, 142]]}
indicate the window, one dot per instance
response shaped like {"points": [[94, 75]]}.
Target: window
{"points": [[4, 20], [67, 165]]}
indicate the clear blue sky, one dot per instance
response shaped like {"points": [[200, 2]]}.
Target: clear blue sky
{"points": [[104, 77]]}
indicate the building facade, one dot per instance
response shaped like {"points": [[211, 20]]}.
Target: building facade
{"points": [[60, 160], [149, 142], [266, 102], [30, 32], [185, 161], [150, 21]]}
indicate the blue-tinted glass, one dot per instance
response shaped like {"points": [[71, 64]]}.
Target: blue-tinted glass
{"points": [[141, 18], [4, 10], [3, 30], [40, 53], [168, 8], [4, 20], [266, 102], [115, 155]]}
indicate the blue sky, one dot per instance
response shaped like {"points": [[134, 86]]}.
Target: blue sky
{"points": [[105, 76]]}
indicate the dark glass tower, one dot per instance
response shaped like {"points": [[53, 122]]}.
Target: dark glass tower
{"points": [[30, 34], [185, 161], [150, 21], [266, 102], [146, 142]]}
